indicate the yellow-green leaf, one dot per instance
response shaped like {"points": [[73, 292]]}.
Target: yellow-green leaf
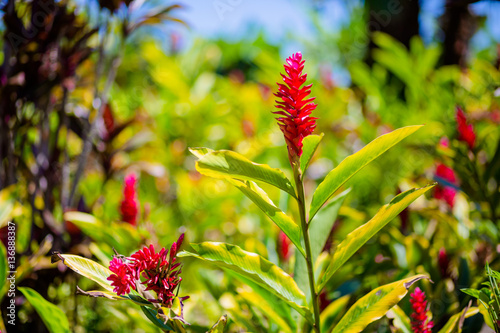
{"points": [[86, 267], [262, 200], [332, 312], [253, 267], [228, 164], [450, 326], [311, 143], [354, 163], [361, 235], [400, 319], [219, 325], [374, 305], [52, 316]]}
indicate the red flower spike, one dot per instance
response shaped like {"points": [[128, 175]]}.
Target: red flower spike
{"points": [[284, 246], [419, 321], [123, 277], [295, 108], [444, 263], [444, 192], [465, 131], [130, 205]]}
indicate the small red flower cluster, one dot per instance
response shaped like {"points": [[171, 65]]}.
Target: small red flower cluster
{"points": [[465, 130], [295, 121], [160, 272], [444, 263], [443, 192], [420, 322], [130, 205]]}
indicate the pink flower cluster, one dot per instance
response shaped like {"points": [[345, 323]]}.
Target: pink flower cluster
{"points": [[159, 272], [295, 108], [419, 321]]}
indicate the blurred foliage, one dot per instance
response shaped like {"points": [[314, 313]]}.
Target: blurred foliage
{"points": [[219, 94]]}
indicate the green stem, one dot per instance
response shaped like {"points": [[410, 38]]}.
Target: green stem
{"points": [[307, 243]]}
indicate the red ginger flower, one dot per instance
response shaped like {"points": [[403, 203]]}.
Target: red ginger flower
{"points": [[420, 322], [294, 117], [444, 263], [130, 205], [465, 131], [159, 272], [444, 192], [123, 277]]}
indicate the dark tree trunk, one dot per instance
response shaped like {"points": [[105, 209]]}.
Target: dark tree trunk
{"points": [[459, 25]]}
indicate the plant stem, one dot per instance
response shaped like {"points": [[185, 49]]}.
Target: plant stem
{"points": [[307, 243]]}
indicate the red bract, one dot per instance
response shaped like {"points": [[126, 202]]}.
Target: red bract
{"points": [[444, 192], [130, 205], [295, 121], [465, 131], [284, 246], [419, 320], [444, 263], [123, 277], [159, 273]]}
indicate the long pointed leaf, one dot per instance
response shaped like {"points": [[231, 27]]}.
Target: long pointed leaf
{"points": [[374, 305], [354, 163], [261, 199], [450, 326], [332, 312], [361, 235], [311, 143], [52, 316], [228, 164], [253, 267], [86, 267]]}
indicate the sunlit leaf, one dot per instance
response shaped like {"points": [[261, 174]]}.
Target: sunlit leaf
{"points": [[86, 267], [256, 300], [451, 324], [400, 319], [361, 235], [354, 163], [374, 305], [261, 199], [311, 143], [54, 318], [3, 263], [228, 164], [331, 313], [254, 267], [219, 325]]}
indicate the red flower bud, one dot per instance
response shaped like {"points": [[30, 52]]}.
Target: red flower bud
{"points": [[465, 131], [130, 205], [294, 117], [284, 246]]}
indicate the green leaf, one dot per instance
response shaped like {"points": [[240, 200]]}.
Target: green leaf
{"points": [[400, 319], [228, 164], [451, 325], [361, 235], [219, 325], [311, 143], [261, 199], [86, 267], [52, 316], [255, 268], [374, 305], [321, 226], [354, 163], [200, 151], [151, 314], [332, 312], [259, 302]]}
